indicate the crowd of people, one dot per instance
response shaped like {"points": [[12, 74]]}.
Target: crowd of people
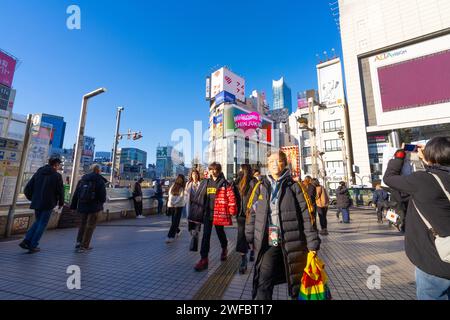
{"points": [[276, 215]]}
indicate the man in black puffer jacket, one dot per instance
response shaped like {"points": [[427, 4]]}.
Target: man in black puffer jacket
{"points": [[45, 190], [88, 200], [280, 207]]}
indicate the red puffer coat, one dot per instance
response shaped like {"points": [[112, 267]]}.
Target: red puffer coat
{"points": [[225, 206]]}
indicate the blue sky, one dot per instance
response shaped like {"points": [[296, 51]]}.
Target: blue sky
{"points": [[153, 57]]}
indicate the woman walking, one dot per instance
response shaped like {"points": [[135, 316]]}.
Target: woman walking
{"points": [[176, 203], [243, 189], [191, 190]]}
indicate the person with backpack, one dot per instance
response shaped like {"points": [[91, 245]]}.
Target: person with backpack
{"points": [[322, 204], [88, 200], [159, 195], [428, 225], [282, 228], [380, 201], [45, 190], [243, 188], [343, 202], [137, 198], [175, 204], [213, 205]]}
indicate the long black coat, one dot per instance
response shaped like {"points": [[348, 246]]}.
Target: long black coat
{"points": [[298, 234], [433, 204], [45, 190], [343, 200]]}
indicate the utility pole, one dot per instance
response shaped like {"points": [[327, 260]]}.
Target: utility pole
{"points": [[312, 128], [116, 143]]}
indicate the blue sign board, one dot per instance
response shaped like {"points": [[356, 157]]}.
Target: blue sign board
{"points": [[218, 119], [225, 97]]}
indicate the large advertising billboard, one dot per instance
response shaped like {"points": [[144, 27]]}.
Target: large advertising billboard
{"points": [[412, 83], [250, 124], [331, 84], [7, 69], [225, 80], [293, 155]]}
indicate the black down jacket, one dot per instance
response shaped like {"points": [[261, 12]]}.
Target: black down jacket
{"points": [[96, 205], [45, 190], [343, 200], [298, 234]]}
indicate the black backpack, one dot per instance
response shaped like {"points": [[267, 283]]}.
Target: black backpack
{"points": [[87, 192]]}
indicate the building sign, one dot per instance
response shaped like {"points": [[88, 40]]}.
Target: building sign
{"points": [[225, 97], [225, 80], [331, 86], [208, 88], [5, 94], [7, 69]]}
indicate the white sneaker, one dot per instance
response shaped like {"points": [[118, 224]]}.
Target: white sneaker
{"points": [[140, 217], [169, 240], [179, 234]]}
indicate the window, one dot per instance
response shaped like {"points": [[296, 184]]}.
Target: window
{"points": [[333, 145], [332, 126], [335, 164], [307, 168], [306, 152], [306, 135]]}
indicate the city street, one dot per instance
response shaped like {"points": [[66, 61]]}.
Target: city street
{"points": [[131, 261]]}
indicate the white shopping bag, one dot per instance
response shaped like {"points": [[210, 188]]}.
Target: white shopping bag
{"points": [[392, 216]]}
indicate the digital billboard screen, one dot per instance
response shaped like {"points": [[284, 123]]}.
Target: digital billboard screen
{"points": [[416, 82]]}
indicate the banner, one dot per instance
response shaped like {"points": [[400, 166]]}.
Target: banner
{"points": [[331, 86], [7, 69]]}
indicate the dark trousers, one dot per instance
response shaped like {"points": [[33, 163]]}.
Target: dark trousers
{"points": [[323, 217], [138, 207], [36, 231], [160, 205], [176, 218], [380, 208], [270, 268], [206, 238], [241, 244], [87, 227]]}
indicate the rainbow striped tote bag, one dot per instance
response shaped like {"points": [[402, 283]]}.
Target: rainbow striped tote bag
{"points": [[314, 284]]}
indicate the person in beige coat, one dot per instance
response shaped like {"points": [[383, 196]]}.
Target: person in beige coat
{"points": [[322, 203]]}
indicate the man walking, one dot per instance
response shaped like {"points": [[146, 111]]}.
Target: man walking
{"points": [[343, 202], [88, 200], [322, 202], [379, 200], [45, 190]]}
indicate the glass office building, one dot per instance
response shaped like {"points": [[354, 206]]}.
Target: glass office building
{"points": [[282, 95]]}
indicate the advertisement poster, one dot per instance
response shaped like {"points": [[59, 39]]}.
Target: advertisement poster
{"points": [[7, 69], [293, 156], [331, 86], [225, 80]]}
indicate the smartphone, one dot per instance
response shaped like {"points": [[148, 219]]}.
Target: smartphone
{"points": [[411, 148]]}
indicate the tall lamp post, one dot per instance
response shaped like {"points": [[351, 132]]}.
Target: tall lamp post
{"points": [[80, 138], [116, 142], [341, 135]]}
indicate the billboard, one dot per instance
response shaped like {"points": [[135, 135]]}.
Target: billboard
{"points": [[331, 85], [225, 80], [5, 94], [208, 88], [293, 156], [89, 147], [225, 97], [411, 84], [7, 69], [254, 127]]}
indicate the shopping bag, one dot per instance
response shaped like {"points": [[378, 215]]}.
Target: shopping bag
{"points": [[392, 216], [314, 285], [194, 242]]}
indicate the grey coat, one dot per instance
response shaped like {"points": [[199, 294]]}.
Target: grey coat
{"points": [[298, 235], [343, 200]]}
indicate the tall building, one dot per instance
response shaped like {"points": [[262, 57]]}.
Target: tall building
{"points": [[282, 95], [169, 162], [59, 129], [131, 162], [103, 156], [397, 61]]}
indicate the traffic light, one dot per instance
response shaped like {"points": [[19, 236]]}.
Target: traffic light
{"points": [[137, 135]]}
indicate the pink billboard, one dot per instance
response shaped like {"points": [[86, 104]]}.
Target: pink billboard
{"points": [[248, 121], [7, 68]]}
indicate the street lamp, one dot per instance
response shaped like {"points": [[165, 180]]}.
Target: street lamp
{"points": [[117, 137], [304, 124], [80, 138], [341, 135]]}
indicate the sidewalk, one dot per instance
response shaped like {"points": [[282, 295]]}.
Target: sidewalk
{"points": [[131, 261], [348, 252]]}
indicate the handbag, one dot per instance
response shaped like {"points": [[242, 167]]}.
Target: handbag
{"points": [[138, 199], [442, 243], [314, 285]]}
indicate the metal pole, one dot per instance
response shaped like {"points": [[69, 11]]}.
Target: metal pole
{"points": [[313, 136], [80, 138], [345, 160], [23, 160], [116, 143]]}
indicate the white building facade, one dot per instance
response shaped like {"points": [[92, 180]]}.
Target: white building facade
{"points": [[397, 61]]}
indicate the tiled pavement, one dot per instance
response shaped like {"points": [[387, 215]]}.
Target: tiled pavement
{"points": [[131, 261], [348, 252]]}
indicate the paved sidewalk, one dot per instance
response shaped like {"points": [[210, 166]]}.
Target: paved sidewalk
{"points": [[348, 252], [130, 261]]}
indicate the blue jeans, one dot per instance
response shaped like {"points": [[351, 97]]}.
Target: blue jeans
{"points": [[36, 231], [430, 287], [345, 214], [160, 205]]}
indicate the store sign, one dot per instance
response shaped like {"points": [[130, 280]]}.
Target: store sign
{"points": [[248, 121], [5, 94], [225, 97], [7, 69]]}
